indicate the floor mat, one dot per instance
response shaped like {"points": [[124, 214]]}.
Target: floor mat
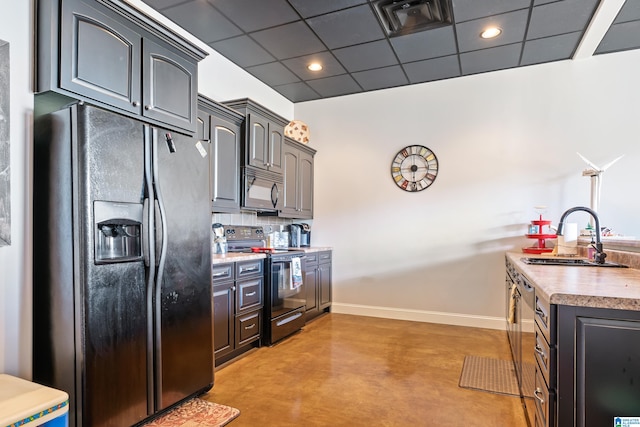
{"points": [[196, 413], [496, 376]]}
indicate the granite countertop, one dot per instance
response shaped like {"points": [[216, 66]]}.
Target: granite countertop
{"points": [[314, 249], [235, 257], [600, 287]]}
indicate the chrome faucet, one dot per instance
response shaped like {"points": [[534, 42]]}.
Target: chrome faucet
{"points": [[600, 255]]}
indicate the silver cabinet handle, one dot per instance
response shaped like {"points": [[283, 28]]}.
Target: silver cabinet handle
{"points": [[254, 268], [250, 294], [537, 394], [224, 273], [253, 325], [147, 107], [136, 104]]}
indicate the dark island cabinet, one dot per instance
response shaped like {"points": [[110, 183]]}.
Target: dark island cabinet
{"points": [[263, 135], [108, 54], [317, 281], [222, 127], [238, 302], [298, 180], [598, 366]]}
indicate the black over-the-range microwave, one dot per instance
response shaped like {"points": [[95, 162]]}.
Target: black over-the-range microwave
{"points": [[262, 190]]}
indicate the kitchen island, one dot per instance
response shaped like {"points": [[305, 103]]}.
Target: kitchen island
{"points": [[587, 332]]}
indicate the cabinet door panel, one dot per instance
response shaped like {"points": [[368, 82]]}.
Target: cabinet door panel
{"points": [[276, 144], [170, 86], [290, 205], [257, 152], [100, 57], [306, 185], [311, 286], [324, 277], [225, 164], [607, 361], [223, 323]]}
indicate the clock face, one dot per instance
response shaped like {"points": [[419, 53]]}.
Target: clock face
{"points": [[414, 168]]}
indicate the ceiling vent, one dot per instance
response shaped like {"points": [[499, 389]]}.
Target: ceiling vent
{"points": [[400, 17]]}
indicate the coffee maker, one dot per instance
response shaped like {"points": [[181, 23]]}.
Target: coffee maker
{"points": [[300, 235]]}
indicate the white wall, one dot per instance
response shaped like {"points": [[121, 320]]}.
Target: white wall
{"points": [[15, 262], [506, 142]]}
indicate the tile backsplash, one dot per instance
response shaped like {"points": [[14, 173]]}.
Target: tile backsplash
{"points": [[249, 218]]}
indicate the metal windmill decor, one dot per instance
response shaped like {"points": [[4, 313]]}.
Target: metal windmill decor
{"points": [[595, 173]]}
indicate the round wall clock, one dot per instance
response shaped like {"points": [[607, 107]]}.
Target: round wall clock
{"points": [[414, 168]]}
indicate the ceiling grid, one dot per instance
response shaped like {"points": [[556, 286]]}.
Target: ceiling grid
{"points": [[275, 40]]}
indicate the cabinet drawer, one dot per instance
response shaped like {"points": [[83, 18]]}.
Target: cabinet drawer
{"points": [[222, 272], [248, 327], [325, 257], [249, 294], [545, 356], [249, 268], [311, 259], [545, 402], [543, 318]]}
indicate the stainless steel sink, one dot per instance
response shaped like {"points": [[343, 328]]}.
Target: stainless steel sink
{"points": [[578, 262]]}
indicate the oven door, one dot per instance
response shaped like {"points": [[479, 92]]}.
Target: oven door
{"points": [[287, 287]]}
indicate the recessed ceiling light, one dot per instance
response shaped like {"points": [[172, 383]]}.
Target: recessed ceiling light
{"points": [[314, 66], [490, 33]]}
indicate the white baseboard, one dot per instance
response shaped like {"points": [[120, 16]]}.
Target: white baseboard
{"points": [[456, 319]]}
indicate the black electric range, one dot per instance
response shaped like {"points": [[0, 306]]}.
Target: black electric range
{"points": [[284, 289]]}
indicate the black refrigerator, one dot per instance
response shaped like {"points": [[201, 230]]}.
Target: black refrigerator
{"points": [[122, 313]]}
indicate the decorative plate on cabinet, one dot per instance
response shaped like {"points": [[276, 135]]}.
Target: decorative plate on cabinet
{"points": [[297, 130]]}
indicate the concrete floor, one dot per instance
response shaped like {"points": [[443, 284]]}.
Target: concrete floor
{"points": [[344, 370]]}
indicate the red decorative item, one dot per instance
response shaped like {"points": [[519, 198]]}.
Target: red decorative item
{"points": [[536, 231]]}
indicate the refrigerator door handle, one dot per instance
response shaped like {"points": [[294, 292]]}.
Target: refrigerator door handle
{"points": [[145, 230], [160, 233]]}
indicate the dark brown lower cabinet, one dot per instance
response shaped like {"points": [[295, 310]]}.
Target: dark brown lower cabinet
{"points": [[238, 302], [598, 358], [317, 282]]}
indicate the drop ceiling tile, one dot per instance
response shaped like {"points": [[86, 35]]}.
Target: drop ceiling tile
{"points": [[630, 11], [330, 66], [297, 92], [550, 48], [273, 74], [348, 27], [465, 10], [253, 15], [620, 37], [335, 86], [513, 25], [203, 21], [433, 69], [425, 44], [307, 8], [161, 4], [495, 58], [243, 51], [289, 40], [381, 78], [365, 56], [560, 17]]}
